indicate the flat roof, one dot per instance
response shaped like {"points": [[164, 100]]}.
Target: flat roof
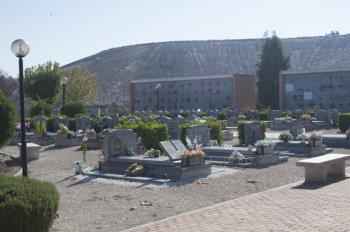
{"points": [[344, 69], [187, 78]]}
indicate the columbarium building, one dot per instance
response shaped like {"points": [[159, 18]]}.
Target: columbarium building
{"points": [[200, 92], [327, 89]]}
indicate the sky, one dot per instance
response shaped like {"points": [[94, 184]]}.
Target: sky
{"points": [[68, 30]]}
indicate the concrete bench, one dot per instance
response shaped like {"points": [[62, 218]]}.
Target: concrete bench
{"points": [[318, 168], [33, 151]]}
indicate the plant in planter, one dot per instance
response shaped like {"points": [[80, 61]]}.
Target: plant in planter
{"points": [[285, 137], [264, 146], [192, 157], [315, 139], [152, 153]]}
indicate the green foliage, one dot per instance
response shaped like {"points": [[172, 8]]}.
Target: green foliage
{"points": [[272, 62], [168, 114], [26, 204], [213, 124], [223, 114], [263, 115], [71, 124], [81, 85], [241, 130], [311, 111], [150, 131], [73, 109], [202, 114], [39, 107], [184, 113], [42, 82], [7, 119], [344, 121], [287, 113]]}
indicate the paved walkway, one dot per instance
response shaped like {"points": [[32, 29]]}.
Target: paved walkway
{"points": [[295, 207]]}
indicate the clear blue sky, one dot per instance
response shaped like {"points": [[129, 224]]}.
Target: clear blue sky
{"points": [[68, 30]]}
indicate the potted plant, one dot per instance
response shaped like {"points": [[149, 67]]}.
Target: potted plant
{"points": [[315, 139], [264, 146], [285, 137], [192, 157]]}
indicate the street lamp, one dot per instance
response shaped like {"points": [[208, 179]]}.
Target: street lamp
{"points": [[158, 89], [20, 48], [64, 81]]}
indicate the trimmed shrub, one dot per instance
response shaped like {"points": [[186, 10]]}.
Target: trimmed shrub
{"points": [[344, 121], [241, 131], [150, 131], [72, 109], [7, 119], [213, 124], [26, 204], [40, 107]]}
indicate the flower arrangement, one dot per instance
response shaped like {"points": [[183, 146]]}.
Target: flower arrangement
{"points": [[282, 119], [152, 153], [241, 117], [315, 137], [135, 170], [264, 143], [90, 132], [236, 157], [347, 133], [285, 136], [192, 153], [306, 117], [302, 136]]}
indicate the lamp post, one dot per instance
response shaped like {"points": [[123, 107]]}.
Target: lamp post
{"points": [[64, 81], [158, 89], [20, 48]]}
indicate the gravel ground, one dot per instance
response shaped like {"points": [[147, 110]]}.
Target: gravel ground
{"points": [[90, 205]]}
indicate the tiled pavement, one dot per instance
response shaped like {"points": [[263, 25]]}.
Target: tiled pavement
{"points": [[295, 207]]}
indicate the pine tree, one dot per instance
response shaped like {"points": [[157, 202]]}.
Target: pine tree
{"points": [[272, 62]]}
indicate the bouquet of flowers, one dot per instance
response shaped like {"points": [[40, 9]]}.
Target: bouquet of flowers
{"points": [[192, 153]]}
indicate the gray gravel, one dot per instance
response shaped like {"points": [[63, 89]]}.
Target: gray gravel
{"points": [[94, 206]]}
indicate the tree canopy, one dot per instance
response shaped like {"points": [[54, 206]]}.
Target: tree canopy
{"points": [[7, 119], [81, 86], [42, 81], [272, 62]]}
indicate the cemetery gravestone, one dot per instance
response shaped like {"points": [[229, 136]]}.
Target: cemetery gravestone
{"points": [[252, 133], [120, 142], [59, 120], [173, 148], [323, 115], [201, 133], [334, 115], [108, 122], [83, 123]]}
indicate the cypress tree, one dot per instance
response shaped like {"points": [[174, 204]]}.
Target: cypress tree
{"points": [[272, 62]]}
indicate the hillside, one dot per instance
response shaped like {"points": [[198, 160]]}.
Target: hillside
{"points": [[115, 67]]}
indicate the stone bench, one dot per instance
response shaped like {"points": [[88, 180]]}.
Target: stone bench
{"points": [[33, 151], [317, 169]]}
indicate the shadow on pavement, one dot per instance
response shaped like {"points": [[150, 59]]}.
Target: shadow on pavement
{"points": [[317, 185]]}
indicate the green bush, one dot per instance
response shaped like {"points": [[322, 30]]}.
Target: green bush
{"points": [[241, 130], [40, 107], [26, 204], [7, 119], [72, 109], [312, 110], [263, 116], [184, 113], [344, 121], [150, 131], [168, 114], [71, 124], [213, 124], [202, 114], [286, 113]]}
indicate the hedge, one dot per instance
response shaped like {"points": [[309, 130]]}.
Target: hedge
{"points": [[150, 131], [71, 110], [344, 121], [213, 124], [26, 204], [7, 119], [241, 132]]}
